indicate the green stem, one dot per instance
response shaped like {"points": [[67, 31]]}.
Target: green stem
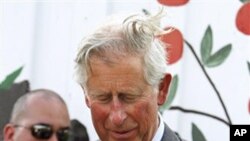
{"points": [[210, 81], [199, 113]]}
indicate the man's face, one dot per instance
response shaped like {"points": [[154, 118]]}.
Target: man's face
{"points": [[123, 106], [50, 112]]}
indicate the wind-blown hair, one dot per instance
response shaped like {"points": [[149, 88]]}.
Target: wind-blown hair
{"points": [[135, 35]]}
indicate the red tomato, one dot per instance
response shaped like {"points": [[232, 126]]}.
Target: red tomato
{"points": [[174, 43], [173, 2], [243, 19]]}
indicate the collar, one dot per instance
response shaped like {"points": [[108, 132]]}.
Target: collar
{"points": [[159, 132]]}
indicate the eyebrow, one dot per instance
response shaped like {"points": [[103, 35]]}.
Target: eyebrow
{"points": [[95, 92]]}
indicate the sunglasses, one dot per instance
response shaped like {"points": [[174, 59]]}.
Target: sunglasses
{"points": [[45, 131]]}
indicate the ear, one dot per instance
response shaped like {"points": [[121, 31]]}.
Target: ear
{"points": [[8, 132], [87, 101], [163, 89]]}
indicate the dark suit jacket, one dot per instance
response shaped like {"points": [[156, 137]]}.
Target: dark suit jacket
{"points": [[169, 135]]}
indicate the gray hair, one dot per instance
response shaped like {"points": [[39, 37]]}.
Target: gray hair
{"points": [[20, 106], [133, 35]]}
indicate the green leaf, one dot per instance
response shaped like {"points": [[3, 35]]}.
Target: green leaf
{"points": [[219, 57], [248, 63], [197, 134], [206, 44], [244, 1], [9, 80], [171, 94]]}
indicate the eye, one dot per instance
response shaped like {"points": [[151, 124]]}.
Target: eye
{"points": [[104, 98], [128, 97]]}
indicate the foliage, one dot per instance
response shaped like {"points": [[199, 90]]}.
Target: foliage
{"points": [[208, 60], [10, 78], [197, 135], [244, 1]]}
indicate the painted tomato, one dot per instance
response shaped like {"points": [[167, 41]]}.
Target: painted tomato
{"points": [[243, 19], [174, 44], [173, 2]]}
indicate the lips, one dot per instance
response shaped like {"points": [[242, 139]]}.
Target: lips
{"points": [[121, 135]]}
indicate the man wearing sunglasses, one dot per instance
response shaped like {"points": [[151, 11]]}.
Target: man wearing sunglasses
{"points": [[39, 115]]}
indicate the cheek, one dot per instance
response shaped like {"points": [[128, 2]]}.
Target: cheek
{"points": [[141, 109], [99, 113], [146, 106], [145, 113], [99, 117]]}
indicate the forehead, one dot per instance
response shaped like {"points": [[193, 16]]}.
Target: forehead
{"points": [[116, 66], [41, 110], [114, 62], [125, 73]]}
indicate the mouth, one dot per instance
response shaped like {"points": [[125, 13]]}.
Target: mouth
{"points": [[119, 135]]}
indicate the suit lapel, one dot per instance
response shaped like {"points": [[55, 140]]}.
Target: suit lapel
{"points": [[169, 135]]}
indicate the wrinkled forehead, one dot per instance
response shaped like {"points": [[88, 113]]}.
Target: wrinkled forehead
{"points": [[114, 58]]}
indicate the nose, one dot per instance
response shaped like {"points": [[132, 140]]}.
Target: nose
{"points": [[118, 114]]}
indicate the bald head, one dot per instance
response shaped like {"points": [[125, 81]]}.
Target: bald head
{"points": [[39, 107], [25, 102]]}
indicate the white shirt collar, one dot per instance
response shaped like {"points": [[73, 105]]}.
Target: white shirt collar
{"points": [[160, 130]]}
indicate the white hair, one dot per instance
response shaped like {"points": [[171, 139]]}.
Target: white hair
{"points": [[133, 35]]}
